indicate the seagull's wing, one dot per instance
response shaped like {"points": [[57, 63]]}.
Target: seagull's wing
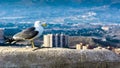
{"points": [[29, 29], [25, 35], [28, 33]]}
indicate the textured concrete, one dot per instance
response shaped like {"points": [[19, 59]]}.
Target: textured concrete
{"points": [[14, 57]]}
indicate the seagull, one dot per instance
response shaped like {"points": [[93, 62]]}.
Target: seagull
{"points": [[29, 34]]}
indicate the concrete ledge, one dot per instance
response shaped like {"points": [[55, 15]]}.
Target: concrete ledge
{"points": [[57, 58]]}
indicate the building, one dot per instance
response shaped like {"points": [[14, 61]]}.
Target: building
{"points": [[109, 48], [79, 46], [116, 50], [55, 40], [82, 46], [105, 28], [47, 42], [98, 47], [1, 35], [85, 47]]}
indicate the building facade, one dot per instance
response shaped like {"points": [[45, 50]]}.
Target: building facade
{"points": [[82, 46], [55, 40], [79, 46]]}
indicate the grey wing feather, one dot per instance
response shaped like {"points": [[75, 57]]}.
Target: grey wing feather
{"points": [[26, 35], [29, 29], [31, 34]]}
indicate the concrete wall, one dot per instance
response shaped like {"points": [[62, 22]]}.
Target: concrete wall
{"points": [[57, 58]]}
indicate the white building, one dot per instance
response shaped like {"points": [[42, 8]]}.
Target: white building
{"points": [[55, 40], [47, 42], [79, 46], [105, 28]]}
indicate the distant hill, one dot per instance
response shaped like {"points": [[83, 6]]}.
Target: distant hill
{"points": [[73, 40]]}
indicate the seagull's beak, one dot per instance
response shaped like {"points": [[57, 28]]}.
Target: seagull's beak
{"points": [[44, 24]]}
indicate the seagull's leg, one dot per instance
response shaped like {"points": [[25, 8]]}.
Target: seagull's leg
{"points": [[32, 43]]}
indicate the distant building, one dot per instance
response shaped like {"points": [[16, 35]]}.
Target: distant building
{"points": [[82, 46], [46, 41], [79, 46], [1, 35], [85, 47], [55, 40], [117, 51], [105, 28], [99, 47]]}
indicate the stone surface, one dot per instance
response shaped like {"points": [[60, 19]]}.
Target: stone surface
{"points": [[21, 57]]}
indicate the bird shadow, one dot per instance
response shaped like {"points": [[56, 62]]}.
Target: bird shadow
{"points": [[39, 48]]}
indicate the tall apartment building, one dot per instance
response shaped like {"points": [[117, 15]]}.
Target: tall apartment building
{"points": [[55, 40], [1, 35]]}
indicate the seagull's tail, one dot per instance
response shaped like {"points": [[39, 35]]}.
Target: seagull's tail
{"points": [[10, 41]]}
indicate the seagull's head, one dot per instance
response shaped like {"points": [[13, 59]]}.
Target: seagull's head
{"points": [[39, 23]]}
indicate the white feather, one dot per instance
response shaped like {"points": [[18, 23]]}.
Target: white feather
{"points": [[38, 28]]}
